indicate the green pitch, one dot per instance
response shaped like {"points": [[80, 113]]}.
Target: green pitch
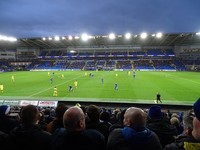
{"points": [[174, 87]]}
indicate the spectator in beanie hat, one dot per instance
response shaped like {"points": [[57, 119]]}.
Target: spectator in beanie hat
{"points": [[160, 125]]}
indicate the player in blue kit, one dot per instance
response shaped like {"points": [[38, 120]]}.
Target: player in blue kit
{"points": [[70, 88], [116, 86]]}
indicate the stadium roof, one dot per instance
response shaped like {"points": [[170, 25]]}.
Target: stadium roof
{"points": [[100, 41]]}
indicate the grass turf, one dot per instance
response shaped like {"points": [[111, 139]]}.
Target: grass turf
{"points": [[174, 87]]}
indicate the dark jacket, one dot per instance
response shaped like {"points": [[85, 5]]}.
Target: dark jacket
{"points": [[163, 129], [3, 140], [184, 143], [83, 140], [7, 123], [133, 139], [29, 138], [103, 129]]}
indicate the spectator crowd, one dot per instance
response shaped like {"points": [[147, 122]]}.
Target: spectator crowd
{"points": [[94, 128]]}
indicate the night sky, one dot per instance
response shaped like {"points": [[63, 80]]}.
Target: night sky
{"points": [[42, 18]]}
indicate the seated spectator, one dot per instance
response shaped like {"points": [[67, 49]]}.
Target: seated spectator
{"points": [[75, 135], [161, 125], [58, 121], [185, 141], [41, 122], [93, 120], [105, 118], [196, 121], [176, 122], [7, 123], [28, 136], [119, 123], [3, 140], [134, 135], [48, 115]]}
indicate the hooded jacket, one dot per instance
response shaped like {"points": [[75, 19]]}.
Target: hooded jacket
{"points": [[129, 138]]}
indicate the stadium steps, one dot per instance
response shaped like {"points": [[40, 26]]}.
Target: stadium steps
{"points": [[132, 64], [84, 65]]}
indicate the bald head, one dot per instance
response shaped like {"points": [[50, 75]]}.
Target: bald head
{"points": [[134, 117], [74, 119]]}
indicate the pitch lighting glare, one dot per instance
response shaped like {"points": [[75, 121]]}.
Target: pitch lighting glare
{"points": [[84, 37], [159, 35], [112, 36], [72, 51], [198, 33], [143, 35], [127, 35], [50, 38], [63, 38], [56, 38], [6, 38], [76, 37], [91, 37], [43, 38], [70, 37]]}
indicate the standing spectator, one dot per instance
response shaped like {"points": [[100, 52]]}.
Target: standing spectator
{"points": [[134, 135], [75, 135], [28, 136], [161, 125]]}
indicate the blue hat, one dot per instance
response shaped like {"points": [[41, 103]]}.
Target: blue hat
{"points": [[4, 109], [155, 112], [196, 107]]}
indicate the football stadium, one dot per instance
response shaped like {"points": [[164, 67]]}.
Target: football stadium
{"points": [[90, 92], [141, 65]]}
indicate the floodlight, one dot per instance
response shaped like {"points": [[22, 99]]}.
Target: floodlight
{"points": [[2, 37], [72, 51], [153, 35], [76, 37], [159, 35], [63, 38], [143, 35], [127, 35], [84, 37], [12, 39], [198, 33], [56, 38], [50, 38], [70, 37], [112, 36], [43, 38], [91, 37], [6, 38]]}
